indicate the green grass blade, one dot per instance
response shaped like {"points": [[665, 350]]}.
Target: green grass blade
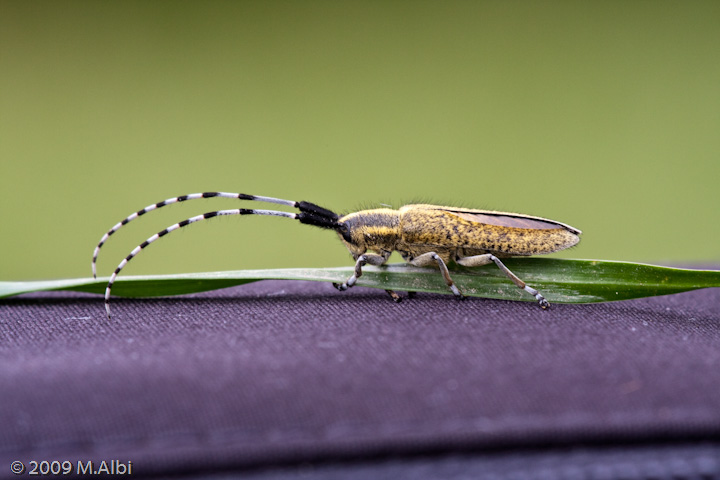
{"points": [[560, 280]]}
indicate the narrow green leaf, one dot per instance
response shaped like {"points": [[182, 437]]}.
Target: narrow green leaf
{"points": [[560, 280]]}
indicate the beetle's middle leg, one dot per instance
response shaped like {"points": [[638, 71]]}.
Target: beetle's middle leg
{"points": [[479, 260], [430, 258], [362, 260]]}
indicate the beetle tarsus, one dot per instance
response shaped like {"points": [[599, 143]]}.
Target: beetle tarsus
{"points": [[456, 291], [544, 304], [396, 298]]}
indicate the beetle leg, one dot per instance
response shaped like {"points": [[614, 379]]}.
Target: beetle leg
{"points": [[362, 260], [429, 258], [479, 260], [396, 298]]}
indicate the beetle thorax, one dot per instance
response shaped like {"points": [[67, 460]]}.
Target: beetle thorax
{"points": [[377, 230]]}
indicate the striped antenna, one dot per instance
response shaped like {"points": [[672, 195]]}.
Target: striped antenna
{"points": [[310, 214], [182, 198], [198, 218]]}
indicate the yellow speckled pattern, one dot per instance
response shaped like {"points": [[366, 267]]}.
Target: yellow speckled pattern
{"points": [[454, 232]]}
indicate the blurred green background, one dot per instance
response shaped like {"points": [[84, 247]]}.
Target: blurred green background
{"points": [[604, 115]]}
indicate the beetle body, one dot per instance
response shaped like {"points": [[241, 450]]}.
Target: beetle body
{"points": [[453, 232], [424, 235]]}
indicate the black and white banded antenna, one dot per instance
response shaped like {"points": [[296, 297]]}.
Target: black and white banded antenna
{"points": [[310, 214]]}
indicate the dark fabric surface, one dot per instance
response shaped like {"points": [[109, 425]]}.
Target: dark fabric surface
{"points": [[698, 462], [274, 378]]}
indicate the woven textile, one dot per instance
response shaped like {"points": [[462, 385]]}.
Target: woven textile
{"points": [[274, 378]]}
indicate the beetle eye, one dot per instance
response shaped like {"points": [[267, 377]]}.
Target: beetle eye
{"points": [[345, 232]]}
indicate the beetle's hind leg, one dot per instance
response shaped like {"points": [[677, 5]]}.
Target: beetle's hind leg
{"points": [[479, 260], [362, 260], [431, 258]]}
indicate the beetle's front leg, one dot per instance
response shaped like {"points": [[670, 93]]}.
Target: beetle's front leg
{"points": [[362, 260]]}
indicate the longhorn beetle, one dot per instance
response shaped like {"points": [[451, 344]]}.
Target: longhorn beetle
{"points": [[424, 235]]}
